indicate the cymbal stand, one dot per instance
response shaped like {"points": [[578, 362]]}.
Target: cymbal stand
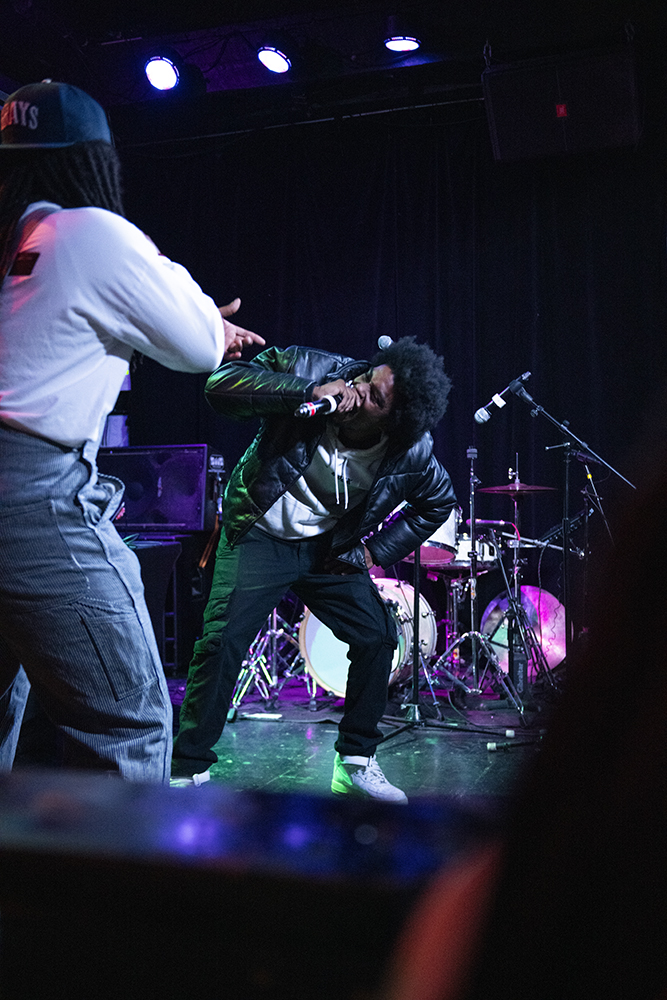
{"points": [[478, 640], [503, 680], [267, 652], [474, 611], [518, 625]]}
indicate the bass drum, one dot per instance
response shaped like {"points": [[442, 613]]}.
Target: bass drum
{"points": [[325, 656], [546, 616]]}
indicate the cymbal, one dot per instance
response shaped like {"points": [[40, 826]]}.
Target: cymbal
{"points": [[516, 489]]}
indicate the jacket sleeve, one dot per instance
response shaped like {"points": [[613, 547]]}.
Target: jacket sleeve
{"points": [[266, 386], [429, 503]]}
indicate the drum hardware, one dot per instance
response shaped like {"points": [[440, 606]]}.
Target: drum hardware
{"points": [[546, 616], [522, 644], [455, 576], [274, 647], [474, 614], [479, 642], [504, 681], [537, 543], [521, 641], [455, 590]]}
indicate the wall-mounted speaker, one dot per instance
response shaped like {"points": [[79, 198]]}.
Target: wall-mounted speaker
{"points": [[562, 104], [172, 488]]}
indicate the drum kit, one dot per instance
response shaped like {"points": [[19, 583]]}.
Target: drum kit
{"points": [[522, 630], [524, 625]]}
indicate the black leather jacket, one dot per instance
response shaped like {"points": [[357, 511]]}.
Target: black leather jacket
{"points": [[271, 387]]}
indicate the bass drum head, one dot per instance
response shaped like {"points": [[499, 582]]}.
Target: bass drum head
{"points": [[401, 599], [545, 615], [325, 656]]}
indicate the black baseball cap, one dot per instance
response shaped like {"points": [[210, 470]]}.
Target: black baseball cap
{"points": [[50, 115]]}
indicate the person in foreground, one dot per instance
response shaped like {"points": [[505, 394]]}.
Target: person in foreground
{"points": [[303, 510], [81, 288]]}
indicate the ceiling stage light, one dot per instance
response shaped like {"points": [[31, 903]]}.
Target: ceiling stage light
{"points": [[402, 43], [273, 59], [162, 73], [400, 35]]}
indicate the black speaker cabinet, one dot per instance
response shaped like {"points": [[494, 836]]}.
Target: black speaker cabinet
{"points": [[562, 104], [172, 488]]}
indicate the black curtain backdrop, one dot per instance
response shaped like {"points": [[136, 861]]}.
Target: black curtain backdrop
{"points": [[334, 234]]}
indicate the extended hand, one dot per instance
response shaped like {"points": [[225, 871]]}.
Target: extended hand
{"points": [[236, 338]]}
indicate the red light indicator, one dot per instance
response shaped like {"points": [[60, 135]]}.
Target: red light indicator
{"points": [[561, 111]]}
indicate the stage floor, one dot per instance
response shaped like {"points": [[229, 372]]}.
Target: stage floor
{"points": [[286, 744]]}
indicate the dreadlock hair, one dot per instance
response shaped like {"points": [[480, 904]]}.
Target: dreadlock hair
{"points": [[421, 388], [82, 175]]}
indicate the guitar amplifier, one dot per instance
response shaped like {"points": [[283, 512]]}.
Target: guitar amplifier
{"points": [[170, 489]]}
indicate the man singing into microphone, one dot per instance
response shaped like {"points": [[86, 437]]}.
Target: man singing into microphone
{"points": [[303, 510]]}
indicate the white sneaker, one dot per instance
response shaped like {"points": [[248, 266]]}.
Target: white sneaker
{"points": [[362, 776], [195, 779]]}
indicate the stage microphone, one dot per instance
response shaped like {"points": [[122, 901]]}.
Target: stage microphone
{"points": [[325, 405], [482, 415], [384, 342], [479, 520]]}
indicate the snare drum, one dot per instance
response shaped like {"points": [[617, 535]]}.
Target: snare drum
{"points": [[486, 554], [325, 656]]}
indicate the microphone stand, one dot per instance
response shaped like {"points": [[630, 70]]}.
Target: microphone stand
{"points": [[471, 454], [568, 438], [413, 715]]}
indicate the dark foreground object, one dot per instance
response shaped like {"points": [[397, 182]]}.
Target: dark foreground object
{"points": [[115, 890]]}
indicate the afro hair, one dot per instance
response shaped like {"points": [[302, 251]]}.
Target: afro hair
{"points": [[421, 388]]}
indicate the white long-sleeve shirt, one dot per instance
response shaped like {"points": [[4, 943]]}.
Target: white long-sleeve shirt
{"points": [[98, 290]]}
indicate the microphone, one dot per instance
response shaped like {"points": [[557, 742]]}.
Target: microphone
{"points": [[482, 415], [478, 520], [325, 405], [384, 342]]}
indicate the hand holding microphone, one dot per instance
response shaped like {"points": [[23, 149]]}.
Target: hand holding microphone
{"points": [[338, 395]]}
